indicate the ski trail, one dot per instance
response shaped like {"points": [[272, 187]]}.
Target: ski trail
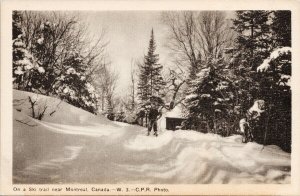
{"points": [[49, 170], [122, 153], [95, 130]]}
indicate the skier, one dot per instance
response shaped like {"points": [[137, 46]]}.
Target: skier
{"points": [[153, 116]]}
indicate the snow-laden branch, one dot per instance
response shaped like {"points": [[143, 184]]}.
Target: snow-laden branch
{"points": [[265, 66]]}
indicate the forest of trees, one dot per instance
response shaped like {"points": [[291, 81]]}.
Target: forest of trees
{"points": [[53, 55], [224, 70], [237, 69], [228, 70]]}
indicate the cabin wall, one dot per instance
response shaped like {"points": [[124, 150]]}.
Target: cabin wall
{"points": [[172, 123]]}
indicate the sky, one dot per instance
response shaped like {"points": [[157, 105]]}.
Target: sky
{"points": [[128, 33]]}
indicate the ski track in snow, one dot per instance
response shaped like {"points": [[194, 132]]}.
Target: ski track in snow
{"points": [[124, 154]]}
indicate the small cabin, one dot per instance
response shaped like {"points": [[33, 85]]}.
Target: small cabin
{"points": [[172, 123], [174, 118]]}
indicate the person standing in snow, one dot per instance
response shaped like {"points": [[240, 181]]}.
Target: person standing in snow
{"points": [[153, 116]]}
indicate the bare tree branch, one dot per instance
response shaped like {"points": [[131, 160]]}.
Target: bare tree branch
{"points": [[197, 36], [26, 123]]}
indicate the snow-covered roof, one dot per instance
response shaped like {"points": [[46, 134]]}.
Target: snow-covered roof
{"points": [[176, 112]]}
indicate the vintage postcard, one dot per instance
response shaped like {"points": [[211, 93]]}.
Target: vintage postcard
{"points": [[150, 97]]}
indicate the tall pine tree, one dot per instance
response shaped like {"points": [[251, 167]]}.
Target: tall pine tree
{"points": [[151, 82], [253, 35], [253, 44]]}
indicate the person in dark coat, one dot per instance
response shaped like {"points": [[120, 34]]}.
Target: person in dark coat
{"points": [[153, 116]]}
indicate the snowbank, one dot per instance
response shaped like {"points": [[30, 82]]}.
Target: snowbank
{"points": [[57, 111], [40, 146], [74, 146], [193, 157]]}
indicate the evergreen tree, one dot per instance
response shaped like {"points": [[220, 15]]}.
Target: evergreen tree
{"points": [[143, 84], [211, 98], [281, 28], [253, 45], [253, 36], [16, 24], [72, 85], [151, 82], [275, 76], [262, 40], [27, 73], [39, 68]]}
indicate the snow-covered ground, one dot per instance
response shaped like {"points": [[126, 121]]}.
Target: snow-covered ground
{"points": [[74, 146]]}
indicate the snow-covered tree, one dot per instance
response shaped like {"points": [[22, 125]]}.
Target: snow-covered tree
{"points": [[211, 98], [72, 85], [263, 46], [252, 45], [16, 24], [151, 82], [254, 34], [282, 28], [275, 86], [53, 56], [27, 73]]}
